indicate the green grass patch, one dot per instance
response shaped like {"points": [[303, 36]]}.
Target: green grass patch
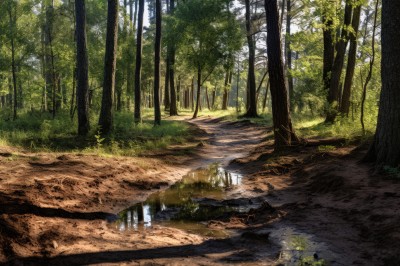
{"points": [[37, 131]]}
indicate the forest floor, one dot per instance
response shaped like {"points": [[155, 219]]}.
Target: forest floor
{"points": [[313, 204]]}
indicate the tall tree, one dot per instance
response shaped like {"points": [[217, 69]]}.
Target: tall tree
{"points": [[167, 101], [157, 57], [110, 60], [288, 51], [334, 87], [12, 16], [173, 110], [283, 131], [329, 48], [82, 91], [205, 37], [385, 147], [351, 62], [252, 101], [138, 67]]}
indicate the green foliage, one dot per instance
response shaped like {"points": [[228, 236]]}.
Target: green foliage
{"points": [[326, 148], [392, 172], [207, 37], [38, 132]]}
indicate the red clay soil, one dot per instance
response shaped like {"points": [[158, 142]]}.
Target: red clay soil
{"points": [[318, 205]]}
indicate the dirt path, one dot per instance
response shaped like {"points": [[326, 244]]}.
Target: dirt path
{"points": [[315, 204], [57, 204]]}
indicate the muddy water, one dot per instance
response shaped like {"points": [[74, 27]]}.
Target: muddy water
{"points": [[301, 248], [188, 204], [201, 196]]}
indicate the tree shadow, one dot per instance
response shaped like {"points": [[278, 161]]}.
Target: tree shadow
{"points": [[231, 250], [14, 205]]}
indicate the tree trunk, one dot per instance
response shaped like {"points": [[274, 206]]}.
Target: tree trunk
{"points": [[82, 91], [138, 68], [237, 88], [110, 60], [214, 95], [12, 24], [283, 130], [173, 110], [252, 101], [265, 97], [333, 94], [167, 101], [157, 58], [208, 99], [289, 52], [198, 92], [225, 95], [385, 148], [72, 107], [329, 51], [351, 63], [192, 94]]}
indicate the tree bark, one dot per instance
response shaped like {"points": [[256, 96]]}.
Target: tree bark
{"points": [[329, 51], [289, 52], [167, 101], [225, 95], [12, 22], [192, 94], [283, 131], [110, 60], [385, 148], [198, 92], [138, 67], [351, 63], [333, 94], [252, 101], [173, 110], [265, 97], [207, 99], [82, 91], [157, 58]]}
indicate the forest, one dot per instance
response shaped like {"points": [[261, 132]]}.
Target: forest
{"points": [[199, 132]]}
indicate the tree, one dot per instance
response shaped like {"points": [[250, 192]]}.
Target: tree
{"points": [[329, 49], [12, 15], [351, 62], [157, 57], [334, 87], [171, 50], [205, 38], [283, 131], [138, 67], [252, 101], [288, 51], [82, 91], [110, 60]]}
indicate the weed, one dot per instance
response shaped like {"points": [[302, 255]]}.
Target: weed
{"points": [[326, 148], [392, 172]]}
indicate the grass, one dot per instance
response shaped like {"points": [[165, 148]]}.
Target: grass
{"points": [[37, 131], [343, 128], [308, 126]]}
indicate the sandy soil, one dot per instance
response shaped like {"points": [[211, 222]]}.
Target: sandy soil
{"points": [[316, 204]]}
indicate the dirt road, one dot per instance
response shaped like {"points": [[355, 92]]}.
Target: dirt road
{"points": [[315, 205]]}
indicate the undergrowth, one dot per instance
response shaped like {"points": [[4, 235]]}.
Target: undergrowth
{"points": [[37, 131]]}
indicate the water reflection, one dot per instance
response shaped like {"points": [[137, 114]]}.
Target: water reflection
{"points": [[299, 248], [177, 204]]}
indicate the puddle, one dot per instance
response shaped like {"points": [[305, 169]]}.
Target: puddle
{"points": [[298, 248], [199, 196]]}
